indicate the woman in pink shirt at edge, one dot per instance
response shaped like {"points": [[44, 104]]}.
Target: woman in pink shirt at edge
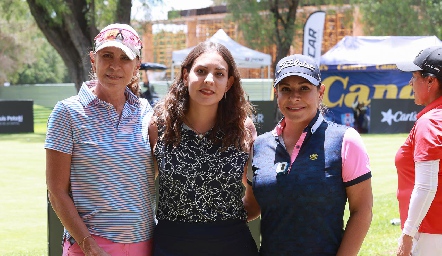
{"points": [[418, 161]]}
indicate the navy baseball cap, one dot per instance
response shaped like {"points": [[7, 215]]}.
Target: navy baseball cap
{"points": [[428, 60], [298, 65]]}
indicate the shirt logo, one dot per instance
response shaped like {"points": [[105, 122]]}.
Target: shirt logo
{"points": [[282, 168], [313, 157]]}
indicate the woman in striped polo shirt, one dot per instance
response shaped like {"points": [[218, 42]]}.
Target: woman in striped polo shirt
{"points": [[99, 172]]}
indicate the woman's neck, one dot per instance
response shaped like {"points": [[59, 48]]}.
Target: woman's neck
{"points": [[201, 119], [293, 129], [116, 98]]}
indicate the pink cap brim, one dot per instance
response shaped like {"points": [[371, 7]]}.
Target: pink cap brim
{"points": [[117, 44]]}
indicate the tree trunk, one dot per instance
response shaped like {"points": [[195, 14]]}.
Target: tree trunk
{"points": [[71, 30], [123, 11], [284, 20]]}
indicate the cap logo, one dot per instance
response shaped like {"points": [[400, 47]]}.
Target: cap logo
{"points": [[296, 62], [124, 36], [419, 53]]}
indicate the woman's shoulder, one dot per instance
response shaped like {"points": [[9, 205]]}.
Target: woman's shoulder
{"points": [[265, 138], [249, 125]]}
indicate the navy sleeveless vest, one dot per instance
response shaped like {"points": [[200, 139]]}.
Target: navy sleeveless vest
{"points": [[302, 210]]}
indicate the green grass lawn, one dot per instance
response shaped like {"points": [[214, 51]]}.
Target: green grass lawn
{"points": [[382, 236], [23, 204]]}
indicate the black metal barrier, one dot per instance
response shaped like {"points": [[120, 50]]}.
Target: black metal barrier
{"points": [[16, 116], [55, 233], [265, 116]]}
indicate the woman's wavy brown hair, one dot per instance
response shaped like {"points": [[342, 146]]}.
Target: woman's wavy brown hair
{"points": [[232, 112]]}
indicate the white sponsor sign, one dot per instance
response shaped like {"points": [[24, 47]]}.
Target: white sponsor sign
{"points": [[313, 33]]}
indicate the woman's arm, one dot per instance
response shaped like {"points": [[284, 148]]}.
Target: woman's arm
{"points": [[58, 166], [360, 200], [249, 200], [424, 191], [153, 138]]}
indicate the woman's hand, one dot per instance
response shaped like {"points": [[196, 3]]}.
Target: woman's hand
{"points": [[405, 245]]}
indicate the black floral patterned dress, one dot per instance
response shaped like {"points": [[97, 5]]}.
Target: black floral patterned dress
{"points": [[200, 209]]}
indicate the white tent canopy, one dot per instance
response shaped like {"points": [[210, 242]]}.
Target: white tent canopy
{"points": [[377, 50], [244, 57]]}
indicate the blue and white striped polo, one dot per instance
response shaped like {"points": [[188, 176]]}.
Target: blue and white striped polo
{"points": [[112, 175]]}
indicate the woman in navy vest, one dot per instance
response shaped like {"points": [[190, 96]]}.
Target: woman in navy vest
{"points": [[306, 169]]}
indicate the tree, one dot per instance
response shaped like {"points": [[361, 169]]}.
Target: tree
{"points": [[71, 25], [47, 67], [432, 17], [26, 57], [401, 18], [266, 22], [13, 40], [270, 22], [389, 18], [9, 53]]}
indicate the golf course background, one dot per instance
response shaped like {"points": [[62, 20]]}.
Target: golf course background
{"points": [[23, 202]]}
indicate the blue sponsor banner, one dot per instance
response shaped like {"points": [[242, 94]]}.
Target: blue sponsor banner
{"points": [[347, 85]]}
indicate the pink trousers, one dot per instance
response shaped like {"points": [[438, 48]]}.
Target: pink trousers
{"points": [[114, 249]]}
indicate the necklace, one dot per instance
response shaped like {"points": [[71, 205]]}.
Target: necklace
{"points": [[199, 134]]}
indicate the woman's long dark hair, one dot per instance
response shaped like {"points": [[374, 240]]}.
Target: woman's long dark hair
{"points": [[232, 109]]}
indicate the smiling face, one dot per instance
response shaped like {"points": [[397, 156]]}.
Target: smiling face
{"points": [[114, 69], [298, 99], [207, 79]]}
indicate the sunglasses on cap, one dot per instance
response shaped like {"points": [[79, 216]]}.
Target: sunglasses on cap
{"points": [[125, 36], [426, 74]]}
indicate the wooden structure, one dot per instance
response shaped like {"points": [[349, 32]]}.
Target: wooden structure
{"points": [[163, 37]]}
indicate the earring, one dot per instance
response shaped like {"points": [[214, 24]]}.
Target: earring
{"points": [[92, 74], [225, 95]]}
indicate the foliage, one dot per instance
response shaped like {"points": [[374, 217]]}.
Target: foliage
{"points": [[432, 17], [9, 56], [70, 26], [26, 56], [389, 17], [265, 23], [401, 18], [250, 16], [48, 67]]}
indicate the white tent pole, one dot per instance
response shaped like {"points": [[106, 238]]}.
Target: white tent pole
{"points": [[172, 72]]}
